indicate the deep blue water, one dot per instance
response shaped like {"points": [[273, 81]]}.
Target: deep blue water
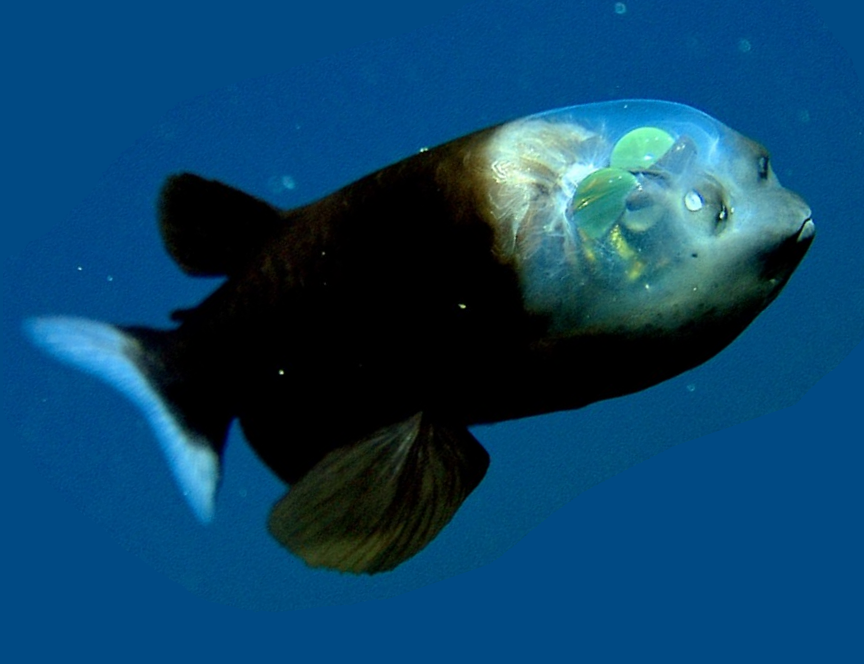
{"points": [[743, 542]]}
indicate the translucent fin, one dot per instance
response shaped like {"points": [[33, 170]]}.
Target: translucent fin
{"points": [[115, 356], [367, 507]]}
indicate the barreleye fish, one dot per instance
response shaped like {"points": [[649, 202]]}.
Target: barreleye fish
{"points": [[539, 265]]}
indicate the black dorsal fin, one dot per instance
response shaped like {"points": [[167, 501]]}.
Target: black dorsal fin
{"points": [[211, 229], [371, 505]]}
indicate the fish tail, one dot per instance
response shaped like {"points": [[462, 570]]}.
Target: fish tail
{"points": [[146, 366]]}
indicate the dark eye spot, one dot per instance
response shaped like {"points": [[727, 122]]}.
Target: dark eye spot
{"points": [[762, 166]]}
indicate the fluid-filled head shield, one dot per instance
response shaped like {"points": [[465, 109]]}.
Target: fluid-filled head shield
{"points": [[636, 215]]}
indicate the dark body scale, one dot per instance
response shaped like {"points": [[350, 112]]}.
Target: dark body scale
{"points": [[344, 316]]}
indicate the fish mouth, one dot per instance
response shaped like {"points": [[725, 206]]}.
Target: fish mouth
{"points": [[784, 258], [807, 232]]}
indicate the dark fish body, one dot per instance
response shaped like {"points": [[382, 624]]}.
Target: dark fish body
{"points": [[538, 266], [377, 302]]}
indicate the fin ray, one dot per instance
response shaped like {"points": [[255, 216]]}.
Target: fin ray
{"points": [[369, 506]]}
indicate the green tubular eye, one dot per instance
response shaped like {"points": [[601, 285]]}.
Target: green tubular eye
{"points": [[640, 148], [601, 199]]}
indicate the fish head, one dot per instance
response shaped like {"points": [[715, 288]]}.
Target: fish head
{"points": [[659, 220]]}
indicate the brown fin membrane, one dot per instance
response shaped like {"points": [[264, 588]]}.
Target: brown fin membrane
{"points": [[211, 229], [369, 506]]}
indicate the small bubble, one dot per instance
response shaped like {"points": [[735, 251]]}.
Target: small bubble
{"points": [[744, 45], [279, 184], [80, 269], [620, 8], [691, 387], [110, 278]]}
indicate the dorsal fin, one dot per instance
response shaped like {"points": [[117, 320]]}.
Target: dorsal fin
{"points": [[211, 229]]}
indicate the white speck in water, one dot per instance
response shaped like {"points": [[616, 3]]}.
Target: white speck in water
{"points": [[691, 387], [80, 269], [109, 278], [620, 8], [744, 45]]}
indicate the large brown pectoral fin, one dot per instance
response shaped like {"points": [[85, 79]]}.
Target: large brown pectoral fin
{"points": [[369, 506]]}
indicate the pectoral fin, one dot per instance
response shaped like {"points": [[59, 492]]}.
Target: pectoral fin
{"points": [[369, 506]]}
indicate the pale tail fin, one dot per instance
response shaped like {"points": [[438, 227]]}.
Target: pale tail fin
{"points": [[136, 366]]}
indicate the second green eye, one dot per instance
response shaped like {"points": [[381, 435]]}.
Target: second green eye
{"points": [[601, 199], [640, 148]]}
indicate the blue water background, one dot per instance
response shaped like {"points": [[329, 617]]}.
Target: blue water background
{"points": [[743, 543]]}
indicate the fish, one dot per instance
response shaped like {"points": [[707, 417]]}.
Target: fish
{"points": [[540, 265]]}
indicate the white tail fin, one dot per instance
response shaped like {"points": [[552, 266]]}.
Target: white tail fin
{"points": [[111, 354]]}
